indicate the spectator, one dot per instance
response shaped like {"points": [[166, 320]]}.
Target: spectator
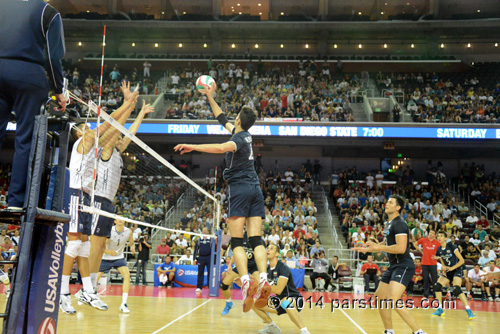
{"points": [[166, 272], [474, 279], [181, 242], [162, 249], [319, 264], [417, 277], [370, 272], [480, 232], [493, 283], [142, 259], [186, 258], [317, 248], [147, 69], [429, 248]]}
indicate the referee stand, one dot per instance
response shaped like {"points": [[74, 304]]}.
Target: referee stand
{"points": [[33, 305]]}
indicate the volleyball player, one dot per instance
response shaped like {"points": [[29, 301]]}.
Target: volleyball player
{"points": [[453, 271], [401, 269], [80, 227], [283, 287], [113, 257], [109, 172], [246, 202], [4, 278], [233, 274]]}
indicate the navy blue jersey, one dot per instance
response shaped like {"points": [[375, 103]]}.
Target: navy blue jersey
{"points": [[282, 270], [30, 28], [240, 164], [448, 254], [203, 246], [393, 228]]}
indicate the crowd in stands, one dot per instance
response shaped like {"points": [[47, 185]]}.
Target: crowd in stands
{"points": [[445, 98], [9, 234], [309, 92]]}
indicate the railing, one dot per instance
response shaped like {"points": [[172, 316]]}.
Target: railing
{"points": [[398, 96], [331, 228], [347, 256], [163, 222], [368, 108], [478, 206]]}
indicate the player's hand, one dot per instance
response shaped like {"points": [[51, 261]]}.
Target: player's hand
{"points": [[62, 102], [446, 269], [434, 257], [488, 277], [146, 108], [183, 148], [125, 88], [209, 90], [114, 253]]}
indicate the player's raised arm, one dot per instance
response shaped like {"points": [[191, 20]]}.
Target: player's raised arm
{"points": [[125, 141], [229, 146], [221, 117]]}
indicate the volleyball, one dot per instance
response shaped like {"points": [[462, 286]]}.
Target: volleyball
{"points": [[204, 81]]}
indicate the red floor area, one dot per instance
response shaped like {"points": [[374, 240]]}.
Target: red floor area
{"points": [[150, 291]]}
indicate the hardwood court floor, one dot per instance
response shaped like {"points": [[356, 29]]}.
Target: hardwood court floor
{"points": [[181, 310]]}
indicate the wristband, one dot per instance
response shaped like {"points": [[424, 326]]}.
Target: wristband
{"points": [[284, 304], [222, 118]]}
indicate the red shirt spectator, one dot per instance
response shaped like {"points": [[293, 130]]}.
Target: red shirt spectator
{"points": [[297, 231], [163, 248], [367, 266], [284, 101], [366, 229], [483, 222], [418, 273], [429, 249]]}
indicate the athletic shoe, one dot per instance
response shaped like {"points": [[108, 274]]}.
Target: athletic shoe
{"points": [[65, 304], [7, 294], [227, 308], [448, 295], [419, 332], [93, 300], [470, 314], [490, 299], [124, 308], [305, 332], [198, 290], [262, 294], [270, 329], [484, 299], [439, 313], [248, 290], [469, 296], [497, 298], [78, 296]]}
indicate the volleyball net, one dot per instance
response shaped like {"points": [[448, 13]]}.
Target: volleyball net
{"points": [[128, 180]]}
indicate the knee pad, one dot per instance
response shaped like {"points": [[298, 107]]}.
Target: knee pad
{"points": [[73, 248], [456, 291], [236, 242], [4, 279], [85, 249], [224, 287], [438, 287], [255, 242]]}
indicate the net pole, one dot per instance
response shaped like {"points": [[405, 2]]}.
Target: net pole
{"points": [[96, 143], [216, 205]]}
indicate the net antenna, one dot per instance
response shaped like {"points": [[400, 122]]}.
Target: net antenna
{"points": [[217, 208]]}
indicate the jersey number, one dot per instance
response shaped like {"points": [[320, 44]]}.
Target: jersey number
{"points": [[251, 153]]}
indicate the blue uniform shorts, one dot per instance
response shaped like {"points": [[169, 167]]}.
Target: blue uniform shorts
{"points": [[101, 225], [245, 200]]}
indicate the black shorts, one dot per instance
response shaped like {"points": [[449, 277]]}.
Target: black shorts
{"points": [[251, 269], [245, 200], [81, 222], [401, 273], [455, 273], [299, 301], [107, 265], [102, 225]]}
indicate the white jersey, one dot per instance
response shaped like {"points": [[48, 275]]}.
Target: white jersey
{"points": [[108, 175], [81, 167], [117, 242], [475, 277]]}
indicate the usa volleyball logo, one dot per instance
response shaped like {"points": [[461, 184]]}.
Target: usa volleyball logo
{"points": [[48, 326], [180, 272]]}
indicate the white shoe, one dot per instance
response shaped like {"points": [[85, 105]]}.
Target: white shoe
{"points": [[497, 299], [490, 299], [65, 304], [270, 329], [305, 332], [78, 295], [124, 308], [198, 290], [93, 300]]}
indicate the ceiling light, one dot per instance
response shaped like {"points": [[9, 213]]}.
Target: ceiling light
{"points": [[468, 45], [237, 4], [282, 13], [156, 45], [180, 45], [239, 13], [385, 46], [381, 13], [282, 46], [88, 11], [496, 45], [184, 13], [360, 46], [334, 46], [205, 45], [412, 46], [479, 10], [233, 46], [79, 43], [133, 44], [256, 46], [307, 46], [162, 13], [442, 46], [359, 13], [260, 13], [259, 4]]}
